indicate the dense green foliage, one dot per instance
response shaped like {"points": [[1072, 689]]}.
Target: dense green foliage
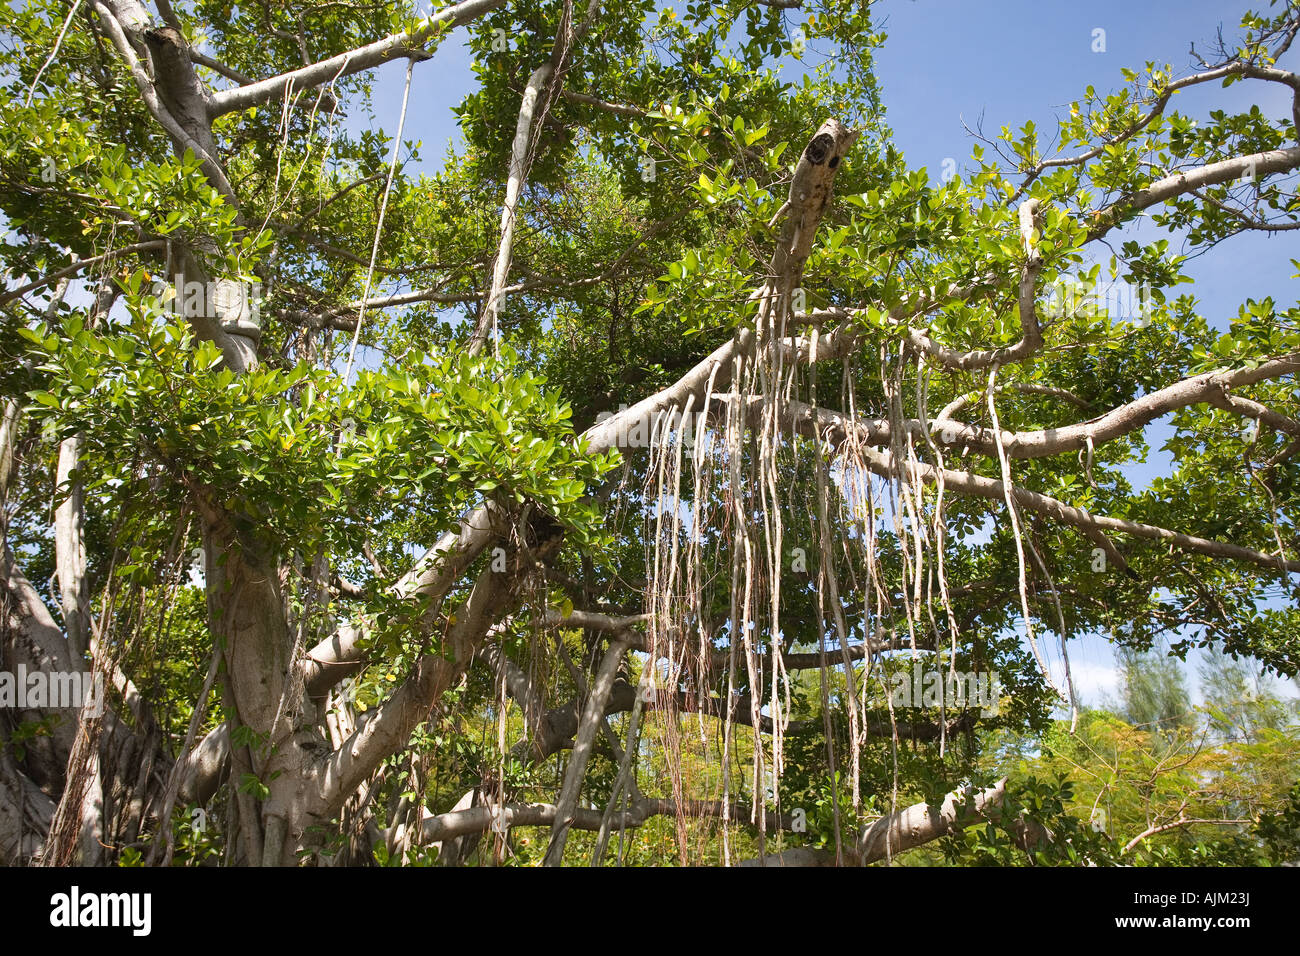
{"points": [[648, 219]]}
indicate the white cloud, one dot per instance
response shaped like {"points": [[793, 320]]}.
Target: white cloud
{"points": [[1093, 681]]}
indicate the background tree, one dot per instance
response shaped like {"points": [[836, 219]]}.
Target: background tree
{"points": [[1155, 693]]}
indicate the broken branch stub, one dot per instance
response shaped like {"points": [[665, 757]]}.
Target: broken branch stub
{"points": [[810, 195]]}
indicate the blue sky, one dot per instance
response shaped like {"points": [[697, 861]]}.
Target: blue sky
{"points": [[948, 61], [952, 62]]}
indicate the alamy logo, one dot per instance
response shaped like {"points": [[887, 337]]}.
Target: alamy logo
{"points": [[75, 909], [39, 690], [941, 688], [649, 431], [213, 300], [1118, 300]]}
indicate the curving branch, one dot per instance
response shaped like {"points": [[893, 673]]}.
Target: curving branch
{"points": [[1208, 387], [915, 826], [119, 16], [799, 417], [1237, 67], [618, 109], [151, 245], [386, 728], [921, 823], [1190, 180], [446, 826], [393, 47]]}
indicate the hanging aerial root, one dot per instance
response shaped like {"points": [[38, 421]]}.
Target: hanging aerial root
{"points": [[1014, 514]]}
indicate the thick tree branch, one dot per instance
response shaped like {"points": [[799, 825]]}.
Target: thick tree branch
{"points": [[539, 93], [966, 483], [1211, 174], [457, 823], [393, 47], [915, 826], [921, 823], [1208, 387], [118, 16]]}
